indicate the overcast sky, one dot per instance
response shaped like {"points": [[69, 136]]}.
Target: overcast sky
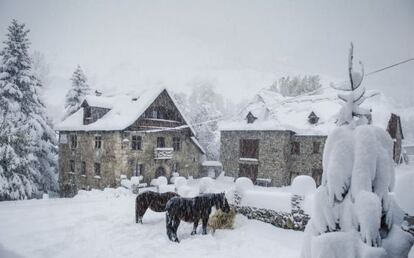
{"points": [[241, 46]]}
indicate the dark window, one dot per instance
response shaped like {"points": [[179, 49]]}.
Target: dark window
{"points": [[73, 141], [72, 166], [176, 143], [313, 118], [136, 171], [317, 175], [295, 148], [250, 118], [249, 148], [176, 167], [83, 168], [250, 171], [97, 168], [136, 142], [87, 115], [98, 141], [160, 142], [141, 169], [316, 147]]}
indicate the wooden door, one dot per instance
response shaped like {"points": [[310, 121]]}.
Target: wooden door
{"points": [[249, 170]]}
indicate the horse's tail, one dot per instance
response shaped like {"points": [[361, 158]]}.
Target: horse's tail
{"points": [[169, 226]]}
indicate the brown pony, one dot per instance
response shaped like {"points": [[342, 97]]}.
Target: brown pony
{"points": [[153, 200]]}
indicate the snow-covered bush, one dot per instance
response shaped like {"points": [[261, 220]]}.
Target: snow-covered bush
{"points": [[179, 182], [162, 180], [174, 176], [303, 185], [354, 214], [206, 184], [244, 184]]}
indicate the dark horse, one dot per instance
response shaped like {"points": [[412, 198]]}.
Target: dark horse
{"points": [[153, 200], [192, 210]]}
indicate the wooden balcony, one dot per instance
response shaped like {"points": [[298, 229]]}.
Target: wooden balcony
{"points": [[163, 153]]}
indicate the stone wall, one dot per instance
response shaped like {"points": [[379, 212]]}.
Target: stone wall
{"points": [[274, 149], [307, 162], [117, 158], [188, 157], [86, 152]]}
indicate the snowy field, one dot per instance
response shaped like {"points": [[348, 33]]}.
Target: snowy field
{"points": [[102, 224]]}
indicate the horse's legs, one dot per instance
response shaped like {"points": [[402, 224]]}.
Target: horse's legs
{"points": [[139, 212], [176, 223], [204, 225], [195, 227]]}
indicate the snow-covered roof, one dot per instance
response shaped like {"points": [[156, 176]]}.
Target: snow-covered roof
{"points": [[197, 143], [125, 109], [99, 101], [275, 112]]}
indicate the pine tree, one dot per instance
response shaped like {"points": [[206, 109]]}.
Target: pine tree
{"points": [[27, 141], [77, 93]]}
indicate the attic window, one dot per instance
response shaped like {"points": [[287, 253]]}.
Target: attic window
{"points": [[313, 118], [250, 118]]}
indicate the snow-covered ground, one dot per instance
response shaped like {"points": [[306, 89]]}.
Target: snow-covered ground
{"points": [[102, 224]]}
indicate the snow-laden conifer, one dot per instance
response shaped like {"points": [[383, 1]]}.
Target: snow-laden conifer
{"points": [[354, 214], [27, 141], [77, 92]]}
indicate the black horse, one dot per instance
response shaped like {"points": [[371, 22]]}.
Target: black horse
{"points": [[153, 200], [192, 210]]}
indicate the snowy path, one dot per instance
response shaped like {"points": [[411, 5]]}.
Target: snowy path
{"points": [[101, 226]]}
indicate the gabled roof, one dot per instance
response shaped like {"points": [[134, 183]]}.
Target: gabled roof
{"points": [[125, 109], [275, 112], [101, 101]]}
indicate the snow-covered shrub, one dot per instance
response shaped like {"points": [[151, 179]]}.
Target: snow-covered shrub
{"points": [[243, 184], [206, 184], [136, 179], [303, 185], [174, 176], [162, 180], [179, 182]]}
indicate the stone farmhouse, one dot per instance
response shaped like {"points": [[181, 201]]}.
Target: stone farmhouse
{"points": [[276, 138], [142, 134]]}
